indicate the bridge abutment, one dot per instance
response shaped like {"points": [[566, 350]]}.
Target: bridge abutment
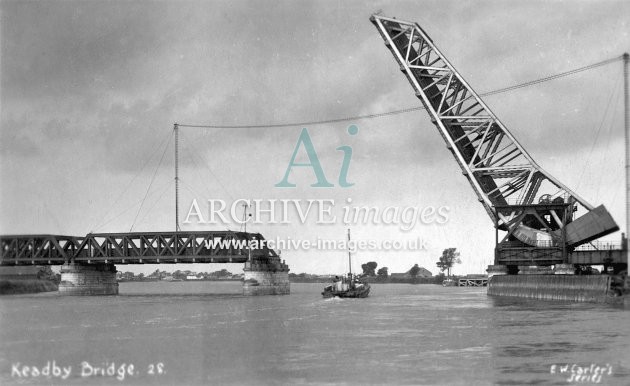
{"points": [[266, 278], [88, 279]]}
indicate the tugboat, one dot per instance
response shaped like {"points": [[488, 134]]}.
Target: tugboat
{"points": [[350, 286]]}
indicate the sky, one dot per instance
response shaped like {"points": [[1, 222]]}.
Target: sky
{"points": [[90, 90]]}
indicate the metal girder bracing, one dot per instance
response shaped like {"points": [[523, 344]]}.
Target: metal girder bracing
{"points": [[499, 169], [525, 255], [134, 248], [32, 249], [495, 163]]}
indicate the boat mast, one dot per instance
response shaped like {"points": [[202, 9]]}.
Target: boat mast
{"points": [[626, 59], [249, 250], [176, 129], [349, 255]]}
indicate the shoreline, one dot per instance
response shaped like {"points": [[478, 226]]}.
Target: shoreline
{"points": [[29, 286]]}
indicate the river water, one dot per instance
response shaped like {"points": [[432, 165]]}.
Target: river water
{"points": [[207, 333]]}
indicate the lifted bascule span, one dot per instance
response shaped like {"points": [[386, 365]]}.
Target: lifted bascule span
{"points": [[545, 222]]}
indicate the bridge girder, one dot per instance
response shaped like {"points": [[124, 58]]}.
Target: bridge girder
{"points": [[132, 248]]}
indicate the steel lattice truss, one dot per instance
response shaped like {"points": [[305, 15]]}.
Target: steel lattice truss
{"points": [[496, 165], [130, 248]]}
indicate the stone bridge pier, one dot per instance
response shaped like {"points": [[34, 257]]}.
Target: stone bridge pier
{"points": [[88, 279], [268, 276]]}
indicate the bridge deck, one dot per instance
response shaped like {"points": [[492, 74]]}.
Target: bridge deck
{"points": [[133, 248]]}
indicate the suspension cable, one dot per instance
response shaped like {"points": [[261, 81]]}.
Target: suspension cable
{"points": [[410, 109], [128, 186], [149, 187]]}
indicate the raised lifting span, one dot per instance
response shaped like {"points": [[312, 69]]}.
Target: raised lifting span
{"points": [[88, 262], [545, 221]]}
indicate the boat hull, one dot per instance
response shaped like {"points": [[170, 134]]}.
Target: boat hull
{"points": [[351, 293]]}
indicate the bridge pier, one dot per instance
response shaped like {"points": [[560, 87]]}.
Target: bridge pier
{"points": [[266, 278], [88, 279]]}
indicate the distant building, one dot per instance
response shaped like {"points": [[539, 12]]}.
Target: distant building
{"points": [[424, 272]]}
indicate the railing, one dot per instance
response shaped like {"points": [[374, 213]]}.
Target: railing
{"points": [[601, 246], [520, 244]]}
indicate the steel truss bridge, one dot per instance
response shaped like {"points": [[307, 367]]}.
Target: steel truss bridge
{"points": [[135, 248]]}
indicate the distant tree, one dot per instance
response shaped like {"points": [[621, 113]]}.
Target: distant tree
{"points": [[222, 273], [382, 273], [449, 257], [45, 273], [369, 268], [413, 272], [140, 276]]}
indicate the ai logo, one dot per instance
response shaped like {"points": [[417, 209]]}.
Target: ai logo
{"points": [[322, 182]]}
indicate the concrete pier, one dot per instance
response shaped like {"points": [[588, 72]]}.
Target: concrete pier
{"points": [[266, 278], [88, 279], [594, 288]]}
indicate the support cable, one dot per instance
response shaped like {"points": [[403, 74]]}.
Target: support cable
{"points": [[144, 165], [195, 193], [607, 153], [128, 208], [410, 109], [599, 129], [205, 163], [149, 187], [159, 198]]}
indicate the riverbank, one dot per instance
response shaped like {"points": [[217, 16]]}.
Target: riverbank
{"points": [[29, 286], [373, 280], [153, 280]]}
